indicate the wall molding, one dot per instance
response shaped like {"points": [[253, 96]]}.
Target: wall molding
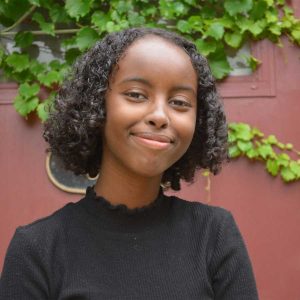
{"points": [[262, 83]]}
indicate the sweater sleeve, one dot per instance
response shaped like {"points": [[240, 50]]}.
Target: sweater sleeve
{"points": [[23, 276], [232, 274]]}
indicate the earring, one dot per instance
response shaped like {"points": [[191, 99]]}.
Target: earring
{"points": [[92, 178]]}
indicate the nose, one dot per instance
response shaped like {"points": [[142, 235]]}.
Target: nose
{"points": [[158, 116]]}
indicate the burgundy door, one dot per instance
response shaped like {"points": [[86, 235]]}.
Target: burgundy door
{"points": [[266, 210]]}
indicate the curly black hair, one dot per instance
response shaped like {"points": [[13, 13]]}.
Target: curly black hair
{"points": [[73, 129]]}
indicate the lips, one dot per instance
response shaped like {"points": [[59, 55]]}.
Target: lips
{"points": [[154, 137], [152, 141]]}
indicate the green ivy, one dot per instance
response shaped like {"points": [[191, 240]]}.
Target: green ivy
{"points": [[216, 27], [252, 143]]}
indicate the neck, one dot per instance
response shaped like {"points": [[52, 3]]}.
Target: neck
{"points": [[119, 187]]}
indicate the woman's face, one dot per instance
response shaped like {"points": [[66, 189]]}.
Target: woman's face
{"points": [[150, 108]]}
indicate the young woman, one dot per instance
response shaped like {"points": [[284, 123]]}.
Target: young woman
{"points": [[141, 110]]}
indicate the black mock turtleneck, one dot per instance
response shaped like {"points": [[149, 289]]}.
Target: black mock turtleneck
{"points": [[169, 249]]}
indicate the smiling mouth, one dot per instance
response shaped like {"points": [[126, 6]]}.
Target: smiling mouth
{"points": [[154, 141]]}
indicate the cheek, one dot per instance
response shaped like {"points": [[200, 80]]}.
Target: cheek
{"points": [[186, 129], [120, 113]]}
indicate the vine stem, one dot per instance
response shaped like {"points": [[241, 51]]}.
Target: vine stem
{"points": [[296, 151], [19, 20], [208, 188], [40, 32]]}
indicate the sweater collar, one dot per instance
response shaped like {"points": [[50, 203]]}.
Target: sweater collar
{"points": [[121, 218]]}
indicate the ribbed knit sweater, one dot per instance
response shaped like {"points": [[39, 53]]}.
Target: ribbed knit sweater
{"points": [[91, 249]]}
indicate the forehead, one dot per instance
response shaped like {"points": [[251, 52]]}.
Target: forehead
{"points": [[157, 58]]}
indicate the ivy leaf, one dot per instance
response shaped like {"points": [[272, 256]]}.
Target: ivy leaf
{"points": [[233, 39], [271, 139], [50, 78], [179, 8], [234, 7], [219, 64], [252, 62], [117, 25], [258, 27], [45, 107], [122, 6], [296, 35], [100, 19], [25, 106], [28, 91], [134, 19], [244, 146], [280, 146], [295, 168], [183, 26], [251, 153], [2, 55], [231, 137], [42, 112], [71, 55], [271, 16], [287, 10], [115, 16], [275, 29], [46, 27], [36, 68], [283, 160], [111, 26], [206, 47], [258, 9], [272, 167], [55, 64], [208, 12], [256, 132], [234, 151], [18, 61], [69, 43], [86, 38], [78, 8], [287, 174], [12, 10], [289, 146], [226, 21], [266, 151], [215, 30], [35, 2], [270, 2], [243, 131], [244, 24], [171, 9], [58, 14], [286, 24], [196, 23], [23, 39], [151, 11]]}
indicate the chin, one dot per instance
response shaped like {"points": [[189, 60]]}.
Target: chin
{"points": [[151, 167], [149, 170]]}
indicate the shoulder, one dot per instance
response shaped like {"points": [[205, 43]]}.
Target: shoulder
{"points": [[199, 211], [49, 222], [205, 222], [45, 232]]}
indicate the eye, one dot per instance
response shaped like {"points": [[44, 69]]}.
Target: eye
{"points": [[135, 95], [180, 104]]}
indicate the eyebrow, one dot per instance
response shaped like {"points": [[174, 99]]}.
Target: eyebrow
{"points": [[146, 82], [137, 79]]}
